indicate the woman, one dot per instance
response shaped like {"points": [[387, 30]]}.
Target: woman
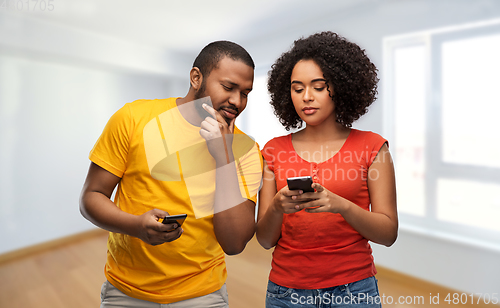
{"points": [[322, 254]]}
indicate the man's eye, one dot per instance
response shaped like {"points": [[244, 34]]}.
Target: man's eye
{"points": [[226, 88], [244, 95]]}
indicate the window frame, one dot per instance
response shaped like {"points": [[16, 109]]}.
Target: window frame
{"points": [[429, 223]]}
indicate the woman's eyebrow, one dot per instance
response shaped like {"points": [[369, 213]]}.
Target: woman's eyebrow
{"points": [[314, 80]]}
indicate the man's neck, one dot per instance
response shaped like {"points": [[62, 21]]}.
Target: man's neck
{"points": [[191, 109]]}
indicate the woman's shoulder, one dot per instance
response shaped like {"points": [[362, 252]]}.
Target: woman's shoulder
{"points": [[367, 135], [278, 141]]}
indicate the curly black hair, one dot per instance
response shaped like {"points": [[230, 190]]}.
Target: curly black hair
{"points": [[345, 66]]}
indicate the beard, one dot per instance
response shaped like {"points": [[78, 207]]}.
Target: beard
{"points": [[201, 97]]}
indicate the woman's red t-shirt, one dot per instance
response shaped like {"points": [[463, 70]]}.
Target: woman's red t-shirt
{"points": [[321, 250]]}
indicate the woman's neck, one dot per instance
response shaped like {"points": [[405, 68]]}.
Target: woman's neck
{"points": [[325, 132]]}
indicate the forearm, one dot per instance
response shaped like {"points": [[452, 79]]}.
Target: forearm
{"points": [[376, 227], [269, 228], [234, 215], [101, 211]]}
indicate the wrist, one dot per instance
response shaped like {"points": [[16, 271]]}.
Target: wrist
{"points": [[344, 207], [276, 208]]}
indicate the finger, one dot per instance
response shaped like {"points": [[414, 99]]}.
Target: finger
{"points": [[210, 110], [231, 125], [309, 204], [211, 121], [175, 234], [157, 213], [215, 114], [318, 209], [210, 127], [309, 196], [164, 227], [205, 134], [288, 193], [318, 187]]}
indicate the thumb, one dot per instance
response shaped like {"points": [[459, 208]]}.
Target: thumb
{"points": [[318, 187], [157, 213], [231, 125]]}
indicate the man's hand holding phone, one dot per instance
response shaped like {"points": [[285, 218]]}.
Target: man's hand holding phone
{"points": [[151, 231], [174, 221]]}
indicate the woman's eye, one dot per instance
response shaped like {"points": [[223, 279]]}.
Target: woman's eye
{"points": [[298, 90], [319, 89]]}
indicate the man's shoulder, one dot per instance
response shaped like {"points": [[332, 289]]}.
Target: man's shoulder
{"points": [[150, 104]]}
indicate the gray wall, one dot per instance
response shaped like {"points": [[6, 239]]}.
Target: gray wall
{"points": [[58, 87]]}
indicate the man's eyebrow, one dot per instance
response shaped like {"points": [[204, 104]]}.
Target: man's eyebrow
{"points": [[234, 84]]}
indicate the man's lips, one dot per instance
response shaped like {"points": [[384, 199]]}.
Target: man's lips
{"points": [[229, 113], [309, 110]]}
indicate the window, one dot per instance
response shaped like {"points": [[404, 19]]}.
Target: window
{"points": [[442, 117]]}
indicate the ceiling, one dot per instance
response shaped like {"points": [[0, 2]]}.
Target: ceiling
{"points": [[188, 25]]}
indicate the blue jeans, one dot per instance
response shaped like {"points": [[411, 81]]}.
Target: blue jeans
{"points": [[362, 293]]}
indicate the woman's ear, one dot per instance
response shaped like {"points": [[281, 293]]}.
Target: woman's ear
{"points": [[196, 78]]}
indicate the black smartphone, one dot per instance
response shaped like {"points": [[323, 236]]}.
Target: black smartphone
{"points": [[300, 183], [178, 219]]}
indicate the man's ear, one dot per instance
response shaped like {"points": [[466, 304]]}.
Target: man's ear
{"points": [[195, 78]]}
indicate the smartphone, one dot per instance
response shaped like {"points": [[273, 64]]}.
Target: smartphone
{"points": [[178, 219], [300, 183]]}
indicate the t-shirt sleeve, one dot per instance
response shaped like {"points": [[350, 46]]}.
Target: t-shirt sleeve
{"points": [[250, 173], [111, 149], [374, 143]]}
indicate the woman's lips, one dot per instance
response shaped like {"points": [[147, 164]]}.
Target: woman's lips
{"points": [[309, 111]]}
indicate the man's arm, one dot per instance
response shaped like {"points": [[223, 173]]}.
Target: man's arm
{"points": [[96, 206], [234, 215]]}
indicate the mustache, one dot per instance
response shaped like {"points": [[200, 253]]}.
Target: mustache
{"points": [[229, 107]]}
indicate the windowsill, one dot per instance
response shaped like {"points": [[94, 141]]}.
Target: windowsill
{"points": [[450, 237]]}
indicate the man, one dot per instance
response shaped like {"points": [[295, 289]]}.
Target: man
{"points": [[177, 156]]}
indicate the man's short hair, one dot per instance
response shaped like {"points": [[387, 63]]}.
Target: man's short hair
{"points": [[210, 55]]}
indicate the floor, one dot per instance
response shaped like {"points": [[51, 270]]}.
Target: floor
{"points": [[71, 276]]}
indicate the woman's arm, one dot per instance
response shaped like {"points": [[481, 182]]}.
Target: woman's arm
{"points": [[380, 225], [272, 205]]}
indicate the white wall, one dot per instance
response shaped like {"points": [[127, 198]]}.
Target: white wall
{"points": [[58, 88], [442, 259]]}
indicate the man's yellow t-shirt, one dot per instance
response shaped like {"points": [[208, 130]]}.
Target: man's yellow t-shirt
{"points": [[164, 163]]}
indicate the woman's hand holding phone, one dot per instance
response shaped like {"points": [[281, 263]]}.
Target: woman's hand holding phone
{"points": [[323, 201], [289, 198]]}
